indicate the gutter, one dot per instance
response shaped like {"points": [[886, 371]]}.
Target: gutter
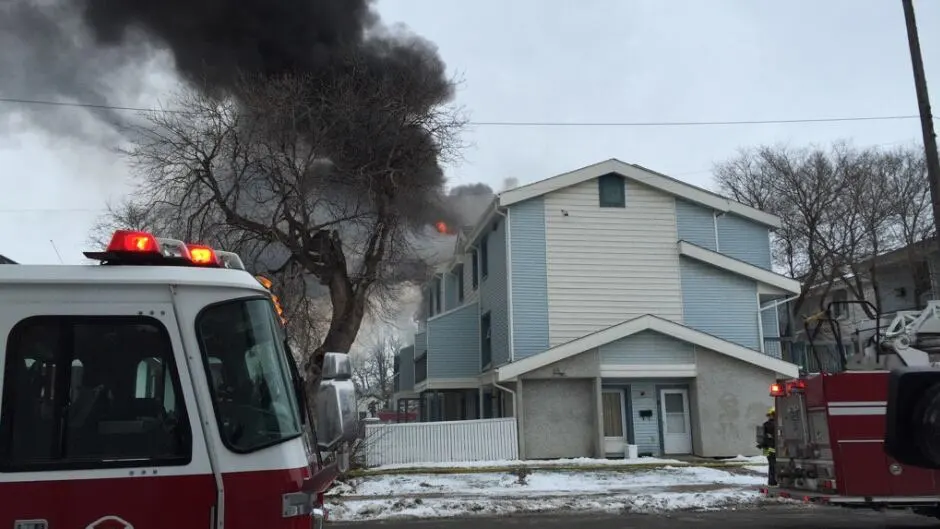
{"points": [[508, 233]]}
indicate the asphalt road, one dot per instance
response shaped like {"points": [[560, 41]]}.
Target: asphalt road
{"points": [[763, 518]]}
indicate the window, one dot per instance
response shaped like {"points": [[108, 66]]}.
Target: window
{"points": [[91, 392], [458, 273], [254, 399], [611, 191], [486, 343], [484, 256], [838, 303], [437, 295], [476, 269]]}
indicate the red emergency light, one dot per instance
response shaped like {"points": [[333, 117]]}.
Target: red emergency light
{"points": [[202, 255], [133, 241], [777, 390], [796, 385]]}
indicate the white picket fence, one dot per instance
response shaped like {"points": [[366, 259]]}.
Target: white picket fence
{"points": [[441, 442]]}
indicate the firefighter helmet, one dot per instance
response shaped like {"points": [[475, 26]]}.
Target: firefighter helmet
{"points": [[771, 412]]}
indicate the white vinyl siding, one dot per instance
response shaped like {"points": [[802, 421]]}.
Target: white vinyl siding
{"points": [[608, 265]]}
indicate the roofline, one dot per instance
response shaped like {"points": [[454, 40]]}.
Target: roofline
{"points": [[647, 322], [644, 176], [739, 267], [99, 275]]}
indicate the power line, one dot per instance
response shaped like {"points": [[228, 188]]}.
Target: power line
{"points": [[92, 106]]}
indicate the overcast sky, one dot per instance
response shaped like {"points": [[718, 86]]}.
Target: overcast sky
{"points": [[567, 60]]}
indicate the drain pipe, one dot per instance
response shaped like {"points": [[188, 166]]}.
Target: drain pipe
{"points": [[511, 392]]}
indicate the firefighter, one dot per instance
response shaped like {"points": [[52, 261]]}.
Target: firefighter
{"points": [[769, 444]]}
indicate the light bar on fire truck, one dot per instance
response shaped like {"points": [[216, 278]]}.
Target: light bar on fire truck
{"points": [[142, 248], [778, 389], [128, 247]]}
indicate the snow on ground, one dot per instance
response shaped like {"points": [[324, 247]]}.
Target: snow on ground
{"points": [[497, 493], [757, 460], [505, 463], [760, 469]]}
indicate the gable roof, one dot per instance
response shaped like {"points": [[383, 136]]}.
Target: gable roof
{"points": [[646, 323], [644, 176], [6, 260]]}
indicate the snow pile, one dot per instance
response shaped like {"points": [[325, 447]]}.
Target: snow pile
{"points": [[574, 462], [746, 459], [499, 493]]}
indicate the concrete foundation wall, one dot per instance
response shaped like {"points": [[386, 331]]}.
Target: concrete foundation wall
{"points": [[731, 398], [559, 418]]}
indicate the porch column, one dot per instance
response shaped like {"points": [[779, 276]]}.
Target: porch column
{"points": [[599, 419]]}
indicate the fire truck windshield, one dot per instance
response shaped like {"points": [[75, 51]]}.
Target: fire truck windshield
{"points": [[249, 374]]}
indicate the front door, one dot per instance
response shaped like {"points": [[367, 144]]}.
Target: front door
{"points": [[615, 424], [677, 428]]}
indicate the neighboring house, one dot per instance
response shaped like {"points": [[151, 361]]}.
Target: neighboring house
{"points": [[607, 306], [906, 277], [367, 404]]}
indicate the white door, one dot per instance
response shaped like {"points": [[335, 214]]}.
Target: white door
{"points": [[615, 421], [677, 427]]}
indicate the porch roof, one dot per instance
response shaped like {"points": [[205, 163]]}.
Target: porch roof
{"points": [[647, 322], [739, 267]]}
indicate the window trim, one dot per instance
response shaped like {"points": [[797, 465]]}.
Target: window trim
{"points": [[621, 199], [65, 320], [208, 379]]}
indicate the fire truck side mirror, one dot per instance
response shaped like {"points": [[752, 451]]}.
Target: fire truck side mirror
{"points": [[336, 414], [912, 430], [336, 366]]}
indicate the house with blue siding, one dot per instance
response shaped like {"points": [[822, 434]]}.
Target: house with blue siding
{"points": [[607, 308]]}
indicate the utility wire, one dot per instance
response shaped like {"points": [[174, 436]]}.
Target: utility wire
{"points": [[38, 102]]}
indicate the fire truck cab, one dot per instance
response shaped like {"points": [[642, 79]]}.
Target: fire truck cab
{"points": [[157, 390]]}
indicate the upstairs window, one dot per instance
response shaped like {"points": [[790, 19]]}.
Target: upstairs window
{"points": [[486, 342], [458, 273], [484, 256], [610, 189], [474, 258], [91, 392], [437, 295], [839, 307]]}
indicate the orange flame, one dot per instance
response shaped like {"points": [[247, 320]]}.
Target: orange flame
{"points": [[442, 227]]}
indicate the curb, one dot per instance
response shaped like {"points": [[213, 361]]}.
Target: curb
{"points": [[559, 468]]}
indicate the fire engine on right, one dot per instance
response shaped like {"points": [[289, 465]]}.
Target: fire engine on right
{"points": [[840, 442]]}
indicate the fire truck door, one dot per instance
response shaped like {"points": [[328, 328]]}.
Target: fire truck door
{"points": [[99, 426]]}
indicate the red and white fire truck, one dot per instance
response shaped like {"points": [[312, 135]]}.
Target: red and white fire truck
{"points": [[831, 425], [157, 390]]}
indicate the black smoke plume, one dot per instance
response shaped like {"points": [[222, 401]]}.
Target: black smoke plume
{"points": [[102, 51]]}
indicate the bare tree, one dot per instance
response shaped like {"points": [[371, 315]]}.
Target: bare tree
{"points": [[323, 181], [374, 368], [840, 207]]}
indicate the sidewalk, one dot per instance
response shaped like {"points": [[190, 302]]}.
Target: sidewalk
{"points": [[516, 487], [642, 463]]}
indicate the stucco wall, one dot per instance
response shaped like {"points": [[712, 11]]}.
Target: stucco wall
{"points": [[559, 418], [732, 398]]}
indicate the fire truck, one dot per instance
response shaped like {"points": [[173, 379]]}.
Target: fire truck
{"points": [[831, 424], [157, 389]]}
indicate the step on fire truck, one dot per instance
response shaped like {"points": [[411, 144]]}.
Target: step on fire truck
{"points": [[157, 390], [831, 424]]}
